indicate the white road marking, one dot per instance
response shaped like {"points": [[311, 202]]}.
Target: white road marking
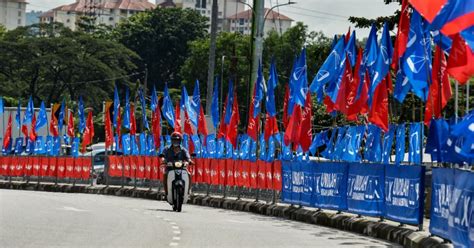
{"points": [[135, 209], [177, 232], [173, 223], [167, 219], [73, 209], [173, 244], [176, 238], [175, 227]]}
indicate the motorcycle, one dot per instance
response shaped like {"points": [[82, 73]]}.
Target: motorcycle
{"points": [[178, 183]]}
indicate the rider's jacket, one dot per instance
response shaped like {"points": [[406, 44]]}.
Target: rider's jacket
{"points": [[171, 156]]}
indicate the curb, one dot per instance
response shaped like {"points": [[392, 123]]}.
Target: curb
{"points": [[403, 236]]}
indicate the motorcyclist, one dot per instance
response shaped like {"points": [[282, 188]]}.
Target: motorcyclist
{"points": [[173, 153]]}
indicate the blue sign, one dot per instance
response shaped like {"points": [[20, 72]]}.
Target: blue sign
{"points": [[442, 188], [297, 182], [330, 185], [404, 193], [308, 183], [460, 221], [365, 189]]}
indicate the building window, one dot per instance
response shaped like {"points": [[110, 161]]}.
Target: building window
{"points": [[123, 11], [203, 12], [246, 20], [19, 21], [19, 5], [111, 18], [241, 21], [67, 20], [220, 13], [19, 13], [233, 28]]}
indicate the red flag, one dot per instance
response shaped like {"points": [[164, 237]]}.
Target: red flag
{"points": [[293, 128], [352, 108], [348, 35], [53, 124], [402, 34], [428, 9], [133, 122], [330, 107], [7, 137], [253, 123], [232, 131], [70, 125], [188, 129], [88, 133], [346, 81], [222, 125], [156, 127], [202, 125], [33, 131], [306, 134], [109, 137], [461, 60], [177, 118], [378, 114], [271, 127], [24, 130], [285, 106], [440, 88]]}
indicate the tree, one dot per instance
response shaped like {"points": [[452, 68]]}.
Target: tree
{"points": [[392, 20], [161, 38], [52, 68]]}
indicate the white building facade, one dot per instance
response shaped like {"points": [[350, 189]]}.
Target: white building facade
{"points": [[13, 13], [242, 22], [108, 12]]}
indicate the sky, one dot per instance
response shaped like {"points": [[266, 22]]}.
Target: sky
{"points": [[328, 16]]}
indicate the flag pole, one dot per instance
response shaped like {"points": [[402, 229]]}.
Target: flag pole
{"points": [[467, 97], [456, 101]]}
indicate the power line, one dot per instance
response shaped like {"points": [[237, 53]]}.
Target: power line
{"points": [[315, 16], [319, 12]]}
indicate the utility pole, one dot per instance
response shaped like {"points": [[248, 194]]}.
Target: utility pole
{"points": [[212, 57], [257, 38]]}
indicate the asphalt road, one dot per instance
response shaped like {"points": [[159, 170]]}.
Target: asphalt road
{"points": [[43, 219]]}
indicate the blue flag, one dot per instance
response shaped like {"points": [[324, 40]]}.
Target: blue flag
{"points": [[134, 146], [329, 70], [437, 137], [126, 113], [167, 108], [116, 109], [417, 60], [126, 146], [39, 145], [291, 100], [272, 84], [215, 104], [244, 147], [82, 117], [400, 145], [373, 146], [459, 148], [49, 145], [387, 144], [18, 115], [28, 112], [56, 146], [117, 147], [143, 104], [143, 144], [262, 148], [253, 150], [402, 87], [371, 51], [384, 58], [229, 103], [350, 151], [259, 86], [220, 148], [30, 146], [75, 147], [415, 138], [61, 116], [196, 103], [150, 144], [186, 104], [299, 80], [18, 145], [351, 49], [328, 152], [154, 100], [211, 146], [2, 108], [228, 149], [339, 144], [197, 144], [42, 118], [271, 149]]}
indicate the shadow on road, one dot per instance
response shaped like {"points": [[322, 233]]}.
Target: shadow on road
{"points": [[160, 210]]}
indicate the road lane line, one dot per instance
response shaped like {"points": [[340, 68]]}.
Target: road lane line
{"points": [[173, 244], [175, 227], [177, 232], [176, 238], [73, 209]]}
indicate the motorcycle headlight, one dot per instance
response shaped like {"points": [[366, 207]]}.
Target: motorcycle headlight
{"points": [[178, 164]]}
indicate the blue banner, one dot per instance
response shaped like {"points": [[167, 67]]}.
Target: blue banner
{"points": [[404, 193], [308, 182], [365, 189], [452, 206], [330, 185], [297, 182]]}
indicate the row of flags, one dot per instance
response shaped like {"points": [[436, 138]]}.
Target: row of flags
{"points": [[31, 123]]}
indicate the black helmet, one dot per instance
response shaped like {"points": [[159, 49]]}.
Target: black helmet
{"points": [[176, 136]]}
